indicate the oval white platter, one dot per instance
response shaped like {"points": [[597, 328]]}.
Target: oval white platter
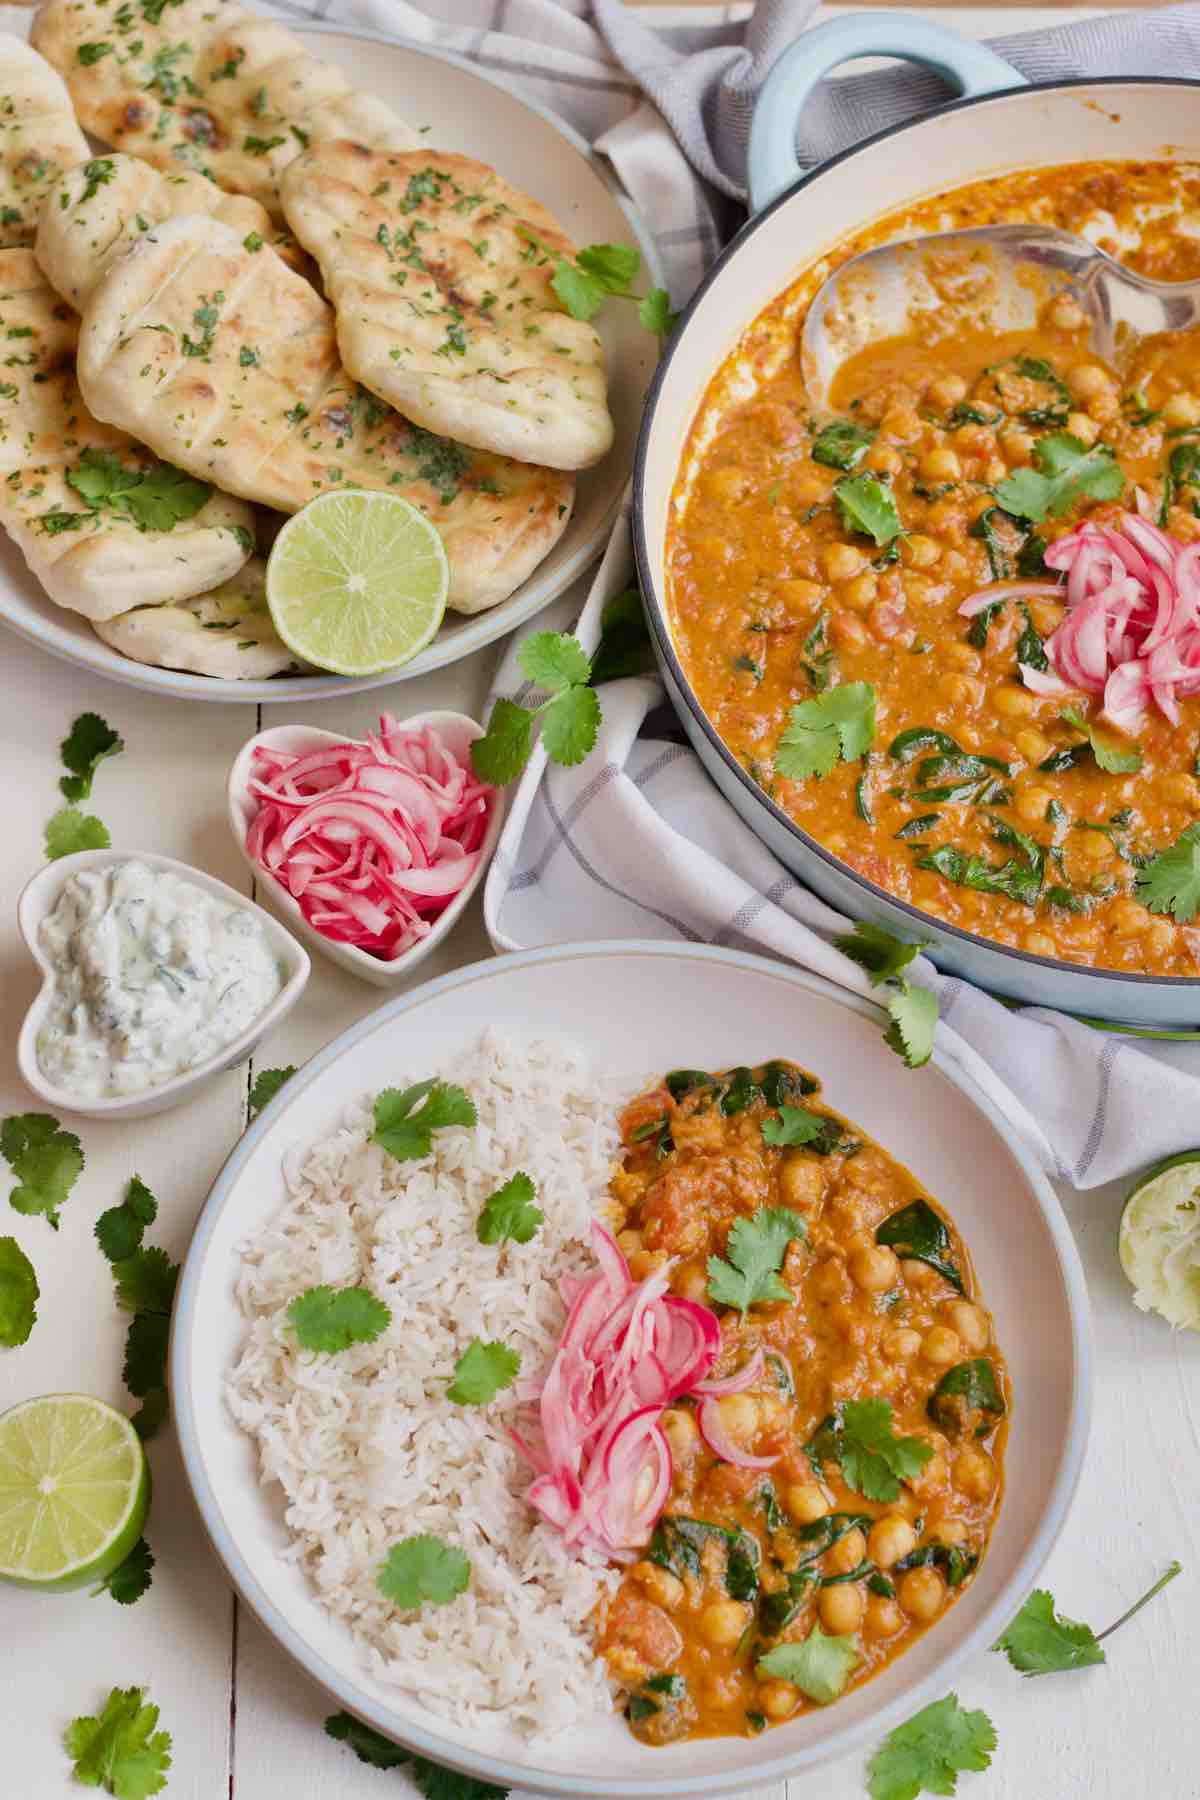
{"points": [[468, 111], [637, 1009]]}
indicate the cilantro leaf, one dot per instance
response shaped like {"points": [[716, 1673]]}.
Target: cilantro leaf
{"points": [[570, 723], [503, 750], [1041, 1641], [331, 1319], [70, 830], [1106, 747], [795, 1125], [18, 1294], [926, 1754], [818, 1665], [370, 1746], [481, 1371], [1170, 882], [46, 1160], [754, 1253], [866, 505], [146, 1281], [120, 1230], [510, 1212], [624, 647], [119, 1750], [581, 296], [839, 723], [435, 1783], [266, 1085], [407, 1134], [131, 1578], [154, 1408], [87, 743], [421, 1569], [842, 444], [1069, 471], [876, 951], [614, 266], [874, 1460], [554, 660], [164, 498], [655, 313], [914, 1015]]}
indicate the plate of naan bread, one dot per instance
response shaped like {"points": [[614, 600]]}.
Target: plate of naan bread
{"points": [[242, 267]]}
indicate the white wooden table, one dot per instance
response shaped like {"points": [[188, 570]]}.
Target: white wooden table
{"points": [[246, 1724]]}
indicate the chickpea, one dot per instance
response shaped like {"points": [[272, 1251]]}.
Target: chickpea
{"points": [[974, 1473], [830, 1281], [901, 424], [960, 690], [1039, 944], [860, 592], [946, 519], [1097, 848], [726, 485], [630, 1241], [1012, 702], [806, 1503], [974, 437], [1088, 381], [921, 1593], [1017, 446], [692, 1283], [1084, 428], [644, 1262], [723, 1622], [874, 1268], [1159, 937], [994, 469], [932, 1478], [841, 1608], [884, 460], [722, 1690], [919, 552], [1032, 803], [1046, 615], [891, 1538], [847, 1553], [661, 1585], [850, 632], [841, 561], [951, 1531], [917, 1274], [970, 1322], [1126, 918], [801, 1183], [940, 1346], [947, 390], [739, 1416], [884, 1618], [1035, 747], [800, 596], [777, 1699], [940, 465], [961, 656], [1179, 789], [956, 566], [901, 1345], [683, 1434], [1182, 409], [1066, 314], [810, 487]]}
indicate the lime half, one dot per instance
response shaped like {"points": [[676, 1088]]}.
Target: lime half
{"points": [[1160, 1240], [74, 1489], [357, 582]]}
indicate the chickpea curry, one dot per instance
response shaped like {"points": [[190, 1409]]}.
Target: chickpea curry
{"points": [[816, 572], [867, 1453]]}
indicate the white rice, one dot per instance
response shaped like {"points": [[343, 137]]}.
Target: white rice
{"points": [[365, 1445]]}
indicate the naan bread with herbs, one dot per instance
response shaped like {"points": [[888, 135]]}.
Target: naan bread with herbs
{"points": [[206, 86], [440, 274], [39, 137], [225, 362], [227, 633], [101, 522]]}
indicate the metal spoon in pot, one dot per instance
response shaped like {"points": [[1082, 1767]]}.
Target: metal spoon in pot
{"points": [[997, 276]]}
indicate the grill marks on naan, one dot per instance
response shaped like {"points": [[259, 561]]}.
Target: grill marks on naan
{"points": [[39, 137]]}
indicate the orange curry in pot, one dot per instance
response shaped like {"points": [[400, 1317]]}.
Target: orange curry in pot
{"points": [[874, 1431], [816, 571]]}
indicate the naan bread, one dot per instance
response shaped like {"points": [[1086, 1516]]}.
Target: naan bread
{"points": [[227, 634], [226, 364], [96, 561], [101, 207], [39, 137], [205, 85], [439, 273]]}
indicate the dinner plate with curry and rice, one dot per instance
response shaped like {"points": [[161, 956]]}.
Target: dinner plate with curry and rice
{"points": [[607, 1373]]}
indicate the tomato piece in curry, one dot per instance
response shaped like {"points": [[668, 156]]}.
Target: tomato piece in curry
{"points": [[882, 1401], [803, 557]]}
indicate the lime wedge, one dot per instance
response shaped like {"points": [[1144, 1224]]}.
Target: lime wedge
{"points": [[74, 1489], [357, 582], [1160, 1240]]}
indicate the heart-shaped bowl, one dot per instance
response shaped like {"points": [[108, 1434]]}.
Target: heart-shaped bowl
{"points": [[38, 900], [458, 732]]}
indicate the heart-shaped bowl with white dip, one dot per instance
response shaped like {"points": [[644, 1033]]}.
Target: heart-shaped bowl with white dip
{"points": [[38, 901], [458, 733]]}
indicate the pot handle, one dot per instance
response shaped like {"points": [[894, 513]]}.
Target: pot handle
{"points": [[772, 162]]}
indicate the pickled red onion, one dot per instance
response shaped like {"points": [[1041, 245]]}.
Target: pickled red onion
{"points": [[372, 840], [1132, 627]]}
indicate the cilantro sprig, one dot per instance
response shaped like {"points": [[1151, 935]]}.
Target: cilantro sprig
{"points": [[748, 1274], [423, 1570], [1042, 1641], [146, 1280], [406, 1118], [481, 1372], [569, 717], [265, 1086], [120, 1230], [839, 725], [430, 1779], [820, 1666], [327, 1319], [912, 1008], [927, 1753], [18, 1294], [119, 1749], [510, 1212], [1170, 881], [70, 830], [601, 272], [46, 1160], [131, 1578], [1066, 471], [156, 499], [859, 1436], [90, 740]]}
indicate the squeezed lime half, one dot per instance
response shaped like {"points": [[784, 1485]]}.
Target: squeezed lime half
{"points": [[1160, 1240]]}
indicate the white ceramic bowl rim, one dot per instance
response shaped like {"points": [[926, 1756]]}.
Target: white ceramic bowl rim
{"points": [[510, 1774], [53, 877], [655, 601]]}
